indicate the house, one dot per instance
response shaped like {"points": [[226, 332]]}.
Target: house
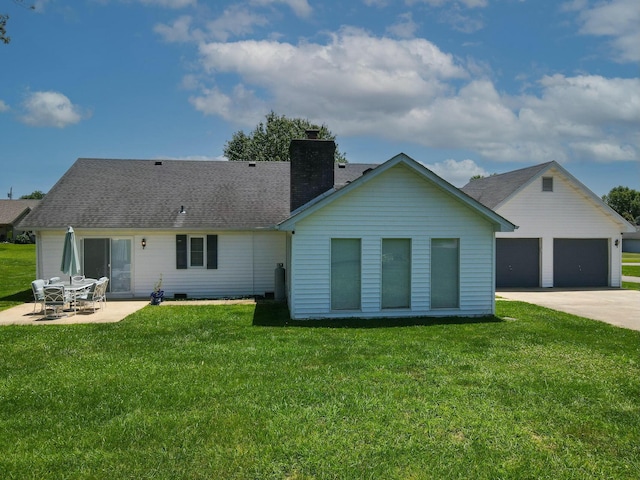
{"points": [[11, 212], [631, 241], [355, 240], [567, 236]]}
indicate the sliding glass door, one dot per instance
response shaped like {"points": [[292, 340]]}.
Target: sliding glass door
{"points": [[109, 257]]}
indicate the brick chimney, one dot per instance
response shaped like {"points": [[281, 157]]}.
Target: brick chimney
{"points": [[312, 163]]}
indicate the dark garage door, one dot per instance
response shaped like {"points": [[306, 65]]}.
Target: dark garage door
{"points": [[580, 262], [517, 262]]}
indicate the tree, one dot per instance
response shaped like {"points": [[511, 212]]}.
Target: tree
{"points": [[4, 38], [625, 201], [35, 195], [270, 141]]}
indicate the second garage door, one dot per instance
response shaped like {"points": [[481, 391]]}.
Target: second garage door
{"points": [[517, 262], [580, 262]]}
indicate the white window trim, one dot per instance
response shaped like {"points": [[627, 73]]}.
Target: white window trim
{"points": [[204, 251]]}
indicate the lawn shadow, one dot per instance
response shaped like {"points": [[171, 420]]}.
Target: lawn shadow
{"points": [[24, 296], [269, 313]]}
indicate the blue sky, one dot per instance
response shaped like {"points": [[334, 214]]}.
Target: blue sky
{"points": [[464, 86]]}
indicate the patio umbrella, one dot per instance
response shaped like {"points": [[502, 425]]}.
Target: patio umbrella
{"points": [[70, 261]]}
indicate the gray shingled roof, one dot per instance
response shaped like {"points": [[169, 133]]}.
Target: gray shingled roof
{"points": [[12, 210], [135, 194], [492, 191]]}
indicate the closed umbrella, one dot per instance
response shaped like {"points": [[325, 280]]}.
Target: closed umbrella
{"points": [[70, 261]]}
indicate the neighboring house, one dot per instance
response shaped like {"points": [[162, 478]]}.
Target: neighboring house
{"points": [[11, 212], [356, 240], [631, 241], [567, 236]]}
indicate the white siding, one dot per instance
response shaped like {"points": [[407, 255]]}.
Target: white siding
{"points": [[396, 204], [567, 212], [246, 262]]}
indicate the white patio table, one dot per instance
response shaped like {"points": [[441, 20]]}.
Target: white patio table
{"points": [[75, 290]]}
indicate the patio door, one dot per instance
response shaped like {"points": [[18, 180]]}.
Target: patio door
{"points": [[109, 257]]}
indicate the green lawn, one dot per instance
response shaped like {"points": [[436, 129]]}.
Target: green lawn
{"points": [[631, 270], [211, 392], [628, 257], [17, 271]]}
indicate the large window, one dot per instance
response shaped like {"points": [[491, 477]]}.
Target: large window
{"points": [[345, 274], [196, 251], [396, 273], [445, 273]]}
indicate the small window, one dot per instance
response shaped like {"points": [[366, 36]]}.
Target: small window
{"points": [[195, 252], [547, 184]]}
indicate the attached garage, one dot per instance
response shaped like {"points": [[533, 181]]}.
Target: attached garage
{"points": [[517, 262], [581, 262]]}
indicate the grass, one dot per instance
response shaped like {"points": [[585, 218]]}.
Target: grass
{"points": [[17, 271], [628, 257], [631, 270], [214, 392]]}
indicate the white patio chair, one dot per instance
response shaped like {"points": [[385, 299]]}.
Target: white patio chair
{"points": [[37, 287], [77, 279], [104, 293], [53, 280], [94, 295], [54, 298]]}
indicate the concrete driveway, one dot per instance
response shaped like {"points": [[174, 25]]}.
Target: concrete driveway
{"points": [[615, 306]]}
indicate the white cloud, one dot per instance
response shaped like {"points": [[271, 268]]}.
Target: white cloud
{"points": [[605, 150], [169, 3], [404, 27], [344, 75], [235, 21], [462, 22], [50, 109], [300, 7], [411, 91], [179, 31], [456, 172], [241, 106], [4, 107], [466, 3], [618, 19]]}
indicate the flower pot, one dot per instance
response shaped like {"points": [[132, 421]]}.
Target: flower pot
{"points": [[157, 297]]}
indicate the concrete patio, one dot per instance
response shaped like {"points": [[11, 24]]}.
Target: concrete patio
{"points": [[114, 311]]}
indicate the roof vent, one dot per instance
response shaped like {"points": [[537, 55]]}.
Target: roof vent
{"points": [[158, 163], [342, 165], [252, 164]]}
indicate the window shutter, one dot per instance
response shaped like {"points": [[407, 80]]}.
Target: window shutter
{"points": [[181, 252], [212, 251]]}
